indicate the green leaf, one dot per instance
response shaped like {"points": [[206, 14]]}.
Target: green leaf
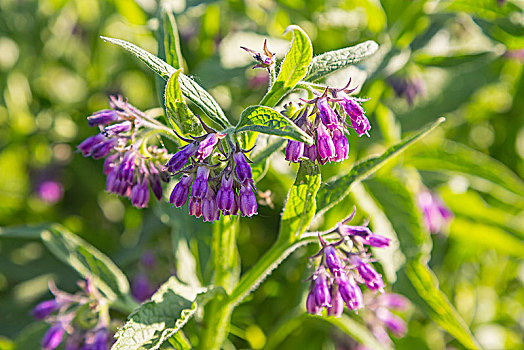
{"points": [[163, 316], [451, 61], [482, 8], [24, 232], [268, 121], [456, 158], [177, 110], [300, 205], [435, 303], [191, 90], [336, 189], [86, 260], [480, 235], [332, 61], [171, 41], [293, 69]]}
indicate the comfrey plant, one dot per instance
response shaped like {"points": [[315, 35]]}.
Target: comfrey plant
{"points": [[80, 320], [213, 173]]}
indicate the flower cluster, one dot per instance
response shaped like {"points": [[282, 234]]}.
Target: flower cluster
{"points": [[83, 317], [209, 189], [407, 87], [344, 265], [380, 319], [435, 212], [328, 127], [131, 166]]}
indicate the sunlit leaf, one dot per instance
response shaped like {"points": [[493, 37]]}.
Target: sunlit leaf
{"points": [[332, 61], [293, 68], [268, 121], [171, 40]]}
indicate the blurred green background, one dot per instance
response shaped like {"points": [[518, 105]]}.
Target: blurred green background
{"points": [[55, 71]]}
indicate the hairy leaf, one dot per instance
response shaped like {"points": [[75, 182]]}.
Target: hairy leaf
{"points": [[155, 321], [293, 69], [268, 121], [177, 111], [171, 40], [332, 61], [86, 260], [194, 92], [300, 206], [335, 190]]}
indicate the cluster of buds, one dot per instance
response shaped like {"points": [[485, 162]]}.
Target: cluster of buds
{"points": [[131, 166], [82, 317], [434, 211], [344, 265], [327, 125], [209, 189], [379, 316]]}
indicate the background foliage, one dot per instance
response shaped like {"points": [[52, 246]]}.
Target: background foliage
{"points": [[55, 70]]}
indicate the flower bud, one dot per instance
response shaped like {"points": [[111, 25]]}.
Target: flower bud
{"points": [[377, 241], [370, 276], [155, 182], [226, 195], [294, 151], [53, 337], [118, 128], [243, 169], [180, 158], [341, 144], [311, 152], [45, 308], [209, 207], [327, 115], [350, 292], [235, 207], [321, 290], [126, 170], [359, 121], [86, 146], [332, 260], [325, 147], [200, 185], [337, 303], [247, 201], [140, 194], [206, 146], [395, 324], [394, 301], [103, 117], [181, 190], [195, 206], [311, 305], [102, 149]]}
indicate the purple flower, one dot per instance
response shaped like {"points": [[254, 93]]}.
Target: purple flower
{"points": [[341, 145], [195, 207], [126, 170], [350, 292], [118, 128], [436, 214], [103, 117], [200, 185], [102, 149], [226, 195], [243, 170], [45, 308], [181, 190], [86, 146], [155, 181], [311, 152], [140, 194], [50, 191], [376, 241], [141, 288], [210, 211], [311, 305], [247, 201], [321, 289], [361, 231], [359, 121], [393, 301], [370, 276], [395, 324], [337, 303], [332, 260], [327, 115], [53, 337], [235, 207], [325, 146], [294, 151], [206, 146], [180, 158]]}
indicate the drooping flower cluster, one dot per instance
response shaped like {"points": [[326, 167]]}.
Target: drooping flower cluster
{"points": [[328, 127], [380, 318], [344, 265], [210, 189], [434, 211], [81, 318], [132, 166]]}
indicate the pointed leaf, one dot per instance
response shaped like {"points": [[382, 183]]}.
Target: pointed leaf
{"points": [[335, 190], [293, 69], [191, 90], [172, 50], [332, 61], [155, 321], [179, 114], [268, 121]]}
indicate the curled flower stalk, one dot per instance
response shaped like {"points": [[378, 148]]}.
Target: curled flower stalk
{"points": [[344, 266]]}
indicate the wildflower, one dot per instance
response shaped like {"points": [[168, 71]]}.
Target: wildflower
{"points": [[243, 170], [337, 302], [103, 117], [350, 292], [341, 145], [45, 308], [294, 151], [210, 211], [434, 211], [265, 59], [327, 115], [247, 201], [53, 337], [311, 304], [321, 289], [180, 159], [325, 146], [200, 185], [181, 190], [226, 196]]}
